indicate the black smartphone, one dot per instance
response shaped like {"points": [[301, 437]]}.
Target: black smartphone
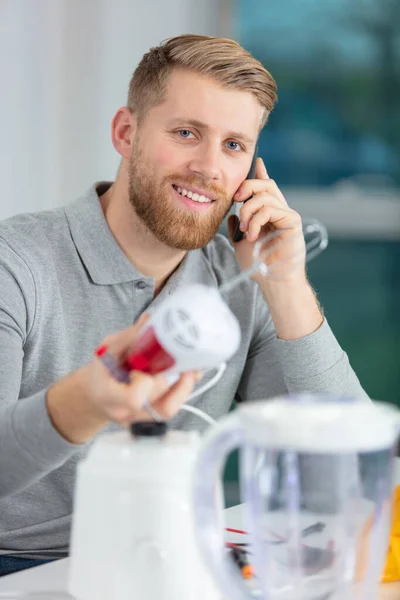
{"points": [[238, 235]]}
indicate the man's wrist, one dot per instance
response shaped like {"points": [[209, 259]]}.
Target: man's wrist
{"points": [[70, 411], [294, 308]]}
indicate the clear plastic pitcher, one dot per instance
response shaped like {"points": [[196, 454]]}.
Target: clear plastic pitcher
{"points": [[316, 476]]}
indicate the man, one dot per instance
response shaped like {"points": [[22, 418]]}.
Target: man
{"points": [[71, 277]]}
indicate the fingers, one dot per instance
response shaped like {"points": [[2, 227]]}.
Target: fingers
{"points": [[169, 404], [159, 382], [251, 187], [125, 403], [279, 218], [263, 209], [139, 391], [261, 169], [121, 402], [254, 205]]}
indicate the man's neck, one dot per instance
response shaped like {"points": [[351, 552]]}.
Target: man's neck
{"points": [[145, 252]]}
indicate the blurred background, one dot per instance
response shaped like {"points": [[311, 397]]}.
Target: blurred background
{"points": [[332, 143]]}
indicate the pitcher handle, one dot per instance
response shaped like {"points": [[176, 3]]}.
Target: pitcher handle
{"points": [[220, 440]]}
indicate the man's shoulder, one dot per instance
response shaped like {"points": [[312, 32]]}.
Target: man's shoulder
{"points": [[29, 236], [29, 225]]}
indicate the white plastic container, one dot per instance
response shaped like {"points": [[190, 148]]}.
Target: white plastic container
{"points": [[133, 529]]}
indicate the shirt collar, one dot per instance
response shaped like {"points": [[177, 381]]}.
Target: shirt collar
{"points": [[103, 258], [94, 241]]}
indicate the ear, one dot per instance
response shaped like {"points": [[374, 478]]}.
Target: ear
{"points": [[123, 131]]}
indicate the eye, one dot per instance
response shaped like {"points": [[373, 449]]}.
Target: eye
{"points": [[234, 146], [185, 133]]}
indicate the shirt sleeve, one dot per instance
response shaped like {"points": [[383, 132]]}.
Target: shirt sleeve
{"points": [[30, 447], [314, 363]]}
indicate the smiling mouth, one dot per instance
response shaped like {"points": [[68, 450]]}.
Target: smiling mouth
{"points": [[201, 198]]}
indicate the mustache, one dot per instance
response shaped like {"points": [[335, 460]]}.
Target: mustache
{"points": [[196, 181]]}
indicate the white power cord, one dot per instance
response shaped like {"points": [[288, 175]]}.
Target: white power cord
{"points": [[199, 413], [204, 388], [196, 411], [211, 383]]}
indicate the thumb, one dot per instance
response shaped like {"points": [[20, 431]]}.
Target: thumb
{"points": [[233, 223]]}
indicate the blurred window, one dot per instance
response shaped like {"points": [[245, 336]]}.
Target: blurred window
{"points": [[333, 145]]}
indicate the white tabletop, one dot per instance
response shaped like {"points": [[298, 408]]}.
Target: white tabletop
{"points": [[52, 577]]}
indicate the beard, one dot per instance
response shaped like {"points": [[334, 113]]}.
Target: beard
{"points": [[175, 227]]}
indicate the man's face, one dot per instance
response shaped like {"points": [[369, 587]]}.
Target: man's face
{"points": [[189, 156]]}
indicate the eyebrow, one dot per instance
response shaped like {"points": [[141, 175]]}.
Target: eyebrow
{"points": [[201, 125]]}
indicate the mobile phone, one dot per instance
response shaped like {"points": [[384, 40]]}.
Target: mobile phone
{"points": [[238, 235]]}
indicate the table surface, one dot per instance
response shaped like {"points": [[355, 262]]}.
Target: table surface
{"points": [[53, 576]]}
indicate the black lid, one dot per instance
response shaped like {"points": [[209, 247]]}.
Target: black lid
{"points": [[149, 429]]}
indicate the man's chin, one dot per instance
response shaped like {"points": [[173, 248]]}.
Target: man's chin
{"points": [[189, 244], [177, 228], [188, 240]]}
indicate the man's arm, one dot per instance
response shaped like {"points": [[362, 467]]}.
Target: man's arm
{"points": [[30, 447], [294, 308], [40, 432], [305, 348], [313, 363]]}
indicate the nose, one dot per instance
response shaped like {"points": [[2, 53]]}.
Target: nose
{"points": [[207, 161]]}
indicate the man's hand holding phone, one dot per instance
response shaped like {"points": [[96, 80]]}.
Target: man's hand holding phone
{"points": [[291, 300], [265, 210]]}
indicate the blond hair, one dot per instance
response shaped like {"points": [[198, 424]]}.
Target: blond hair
{"points": [[221, 59]]}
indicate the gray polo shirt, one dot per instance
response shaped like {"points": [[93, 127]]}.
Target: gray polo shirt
{"points": [[64, 285]]}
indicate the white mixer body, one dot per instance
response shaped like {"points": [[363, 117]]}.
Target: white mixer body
{"points": [[197, 328], [133, 530]]}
